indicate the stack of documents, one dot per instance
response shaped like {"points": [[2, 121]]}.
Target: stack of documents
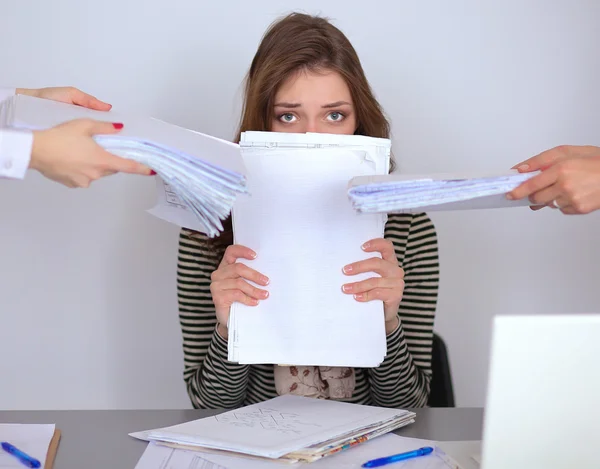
{"points": [[288, 428], [298, 220], [156, 455], [200, 175], [397, 193]]}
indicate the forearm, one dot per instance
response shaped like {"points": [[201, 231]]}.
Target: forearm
{"points": [[218, 383], [398, 382]]}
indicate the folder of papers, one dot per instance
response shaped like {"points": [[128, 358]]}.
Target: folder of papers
{"points": [[287, 428], [297, 219], [400, 193], [199, 176]]}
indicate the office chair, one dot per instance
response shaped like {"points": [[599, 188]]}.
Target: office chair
{"points": [[442, 391]]}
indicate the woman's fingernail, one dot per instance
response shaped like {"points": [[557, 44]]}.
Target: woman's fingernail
{"points": [[265, 294], [367, 245], [523, 167], [358, 296], [347, 269], [346, 288], [252, 254], [117, 125], [254, 302], [509, 196], [265, 280], [152, 172]]}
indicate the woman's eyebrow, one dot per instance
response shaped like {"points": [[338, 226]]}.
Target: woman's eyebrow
{"points": [[288, 105], [336, 104]]}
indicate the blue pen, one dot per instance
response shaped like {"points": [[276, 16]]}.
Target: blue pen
{"points": [[20, 455], [399, 457]]}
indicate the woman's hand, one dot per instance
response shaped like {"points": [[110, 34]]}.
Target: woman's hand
{"points": [[67, 94], [69, 155], [388, 288], [569, 180], [229, 284]]}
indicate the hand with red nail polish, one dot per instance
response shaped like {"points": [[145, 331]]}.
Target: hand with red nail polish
{"points": [[69, 155], [388, 287], [229, 284]]}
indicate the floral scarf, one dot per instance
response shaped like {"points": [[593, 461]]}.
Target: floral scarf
{"points": [[323, 382]]}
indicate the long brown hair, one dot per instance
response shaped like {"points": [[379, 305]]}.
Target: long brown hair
{"points": [[303, 42]]}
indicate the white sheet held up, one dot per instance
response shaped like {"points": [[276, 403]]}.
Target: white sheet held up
{"points": [[298, 220]]}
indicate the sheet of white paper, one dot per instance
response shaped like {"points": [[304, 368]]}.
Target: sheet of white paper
{"points": [[32, 439], [171, 208], [275, 427], [304, 231], [349, 459], [161, 457]]}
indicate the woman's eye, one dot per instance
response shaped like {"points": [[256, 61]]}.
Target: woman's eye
{"points": [[336, 116], [287, 117]]}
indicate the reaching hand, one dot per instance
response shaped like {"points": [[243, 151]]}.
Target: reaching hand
{"points": [[388, 288], [68, 154], [569, 180], [67, 94]]}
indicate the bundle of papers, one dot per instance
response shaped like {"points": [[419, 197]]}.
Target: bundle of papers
{"points": [[397, 193], [199, 175], [155, 455], [298, 220], [287, 428]]}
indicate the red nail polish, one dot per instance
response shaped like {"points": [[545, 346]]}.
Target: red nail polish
{"points": [[152, 172], [117, 125]]}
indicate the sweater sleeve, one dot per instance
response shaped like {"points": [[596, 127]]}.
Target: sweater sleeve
{"points": [[211, 380], [403, 378]]}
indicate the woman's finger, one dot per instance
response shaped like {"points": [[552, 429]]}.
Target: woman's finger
{"points": [[374, 264], [239, 284], [239, 270], [383, 294], [235, 252], [396, 284], [384, 246]]}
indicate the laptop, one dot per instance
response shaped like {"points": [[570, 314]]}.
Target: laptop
{"points": [[543, 400]]}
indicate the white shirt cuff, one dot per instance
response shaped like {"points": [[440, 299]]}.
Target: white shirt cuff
{"points": [[6, 93], [15, 153]]}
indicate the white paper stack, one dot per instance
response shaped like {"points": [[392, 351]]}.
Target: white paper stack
{"points": [[200, 175], [298, 220], [286, 428], [400, 193]]}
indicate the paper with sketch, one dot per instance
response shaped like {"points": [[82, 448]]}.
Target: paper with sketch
{"points": [[298, 220], [32, 439], [205, 173], [161, 457], [157, 457], [408, 193], [460, 454], [277, 427]]}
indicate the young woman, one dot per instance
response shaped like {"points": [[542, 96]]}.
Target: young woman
{"points": [[306, 77]]}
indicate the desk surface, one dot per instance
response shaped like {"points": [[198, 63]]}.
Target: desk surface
{"points": [[98, 439]]}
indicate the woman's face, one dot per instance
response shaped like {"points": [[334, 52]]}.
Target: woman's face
{"points": [[314, 102]]}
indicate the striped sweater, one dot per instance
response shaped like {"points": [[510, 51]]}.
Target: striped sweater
{"points": [[400, 381]]}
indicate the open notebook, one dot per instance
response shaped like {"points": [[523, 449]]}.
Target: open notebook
{"points": [[287, 428], [298, 220], [199, 175]]}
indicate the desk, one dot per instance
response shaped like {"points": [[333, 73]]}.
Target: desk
{"points": [[98, 439]]}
